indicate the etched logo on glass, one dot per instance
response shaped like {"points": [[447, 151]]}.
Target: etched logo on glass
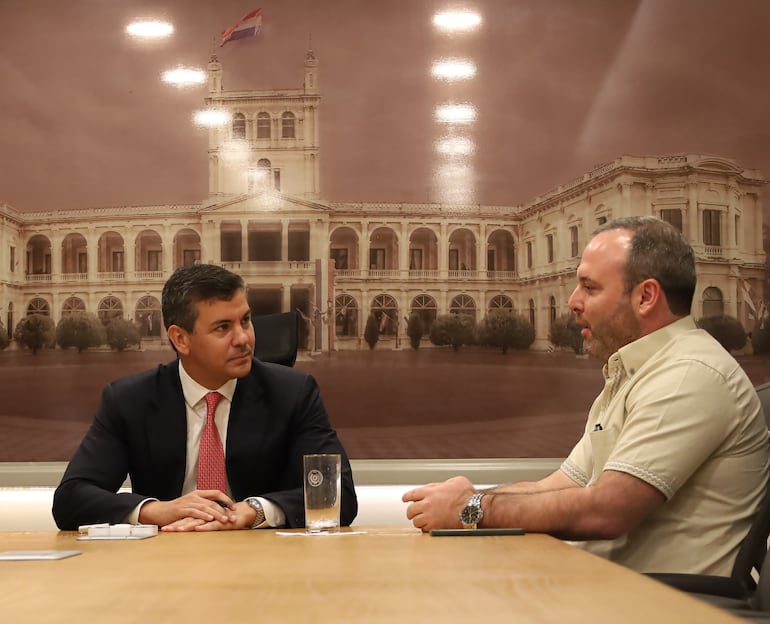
{"points": [[315, 478]]}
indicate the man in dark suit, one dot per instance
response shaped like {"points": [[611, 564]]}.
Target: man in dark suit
{"points": [[149, 426]]}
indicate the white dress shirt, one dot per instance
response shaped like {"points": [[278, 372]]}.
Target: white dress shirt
{"points": [[195, 407]]}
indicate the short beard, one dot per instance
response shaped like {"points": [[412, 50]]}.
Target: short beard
{"points": [[620, 329]]}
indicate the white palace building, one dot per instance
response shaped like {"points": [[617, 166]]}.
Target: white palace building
{"points": [[339, 262]]}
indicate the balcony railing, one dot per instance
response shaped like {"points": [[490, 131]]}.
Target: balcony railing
{"points": [[501, 275], [713, 252], [463, 274], [149, 275], [38, 277], [111, 276], [74, 277], [384, 273], [271, 267], [423, 274]]}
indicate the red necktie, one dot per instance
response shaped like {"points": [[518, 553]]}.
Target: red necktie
{"points": [[211, 455]]}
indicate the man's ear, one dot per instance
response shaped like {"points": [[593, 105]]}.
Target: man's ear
{"points": [[649, 295], [180, 338]]}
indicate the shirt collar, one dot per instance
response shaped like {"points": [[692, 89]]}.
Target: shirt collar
{"points": [[635, 354], [194, 392]]}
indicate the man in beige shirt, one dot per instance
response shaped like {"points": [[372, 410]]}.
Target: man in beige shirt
{"points": [[673, 463]]}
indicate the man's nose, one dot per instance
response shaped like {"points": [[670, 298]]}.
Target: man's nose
{"points": [[573, 302], [242, 334]]}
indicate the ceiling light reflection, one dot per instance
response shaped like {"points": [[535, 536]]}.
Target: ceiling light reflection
{"points": [[211, 118], [235, 153], [454, 184], [183, 76], [455, 146], [456, 21], [456, 113], [150, 29], [453, 69]]}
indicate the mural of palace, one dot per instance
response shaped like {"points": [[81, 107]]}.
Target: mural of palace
{"points": [[337, 263]]}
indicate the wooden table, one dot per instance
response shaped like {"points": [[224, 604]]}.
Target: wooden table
{"points": [[384, 575]]}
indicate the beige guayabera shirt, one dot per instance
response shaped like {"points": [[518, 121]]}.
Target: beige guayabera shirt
{"points": [[678, 412]]}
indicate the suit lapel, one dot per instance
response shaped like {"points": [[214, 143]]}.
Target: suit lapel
{"points": [[167, 431], [246, 430]]}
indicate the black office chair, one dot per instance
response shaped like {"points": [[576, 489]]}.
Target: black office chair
{"points": [[764, 398], [752, 554], [276, 337]]}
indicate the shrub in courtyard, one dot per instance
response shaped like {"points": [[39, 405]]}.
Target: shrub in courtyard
{"points": [[4, 340], [372, 331], [35, 332], [453, 329], [505, 330], [122, 333], [727, 330], [565, 332], [80, 330], [760, 337], [414, 330]]}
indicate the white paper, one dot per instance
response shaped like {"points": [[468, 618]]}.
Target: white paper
{"points": [[36, 555]]}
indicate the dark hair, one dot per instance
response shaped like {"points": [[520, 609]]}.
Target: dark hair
{"points": [[193, 283], [658, 251]]}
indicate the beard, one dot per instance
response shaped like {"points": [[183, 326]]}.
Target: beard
{"points": [[614, 331]]}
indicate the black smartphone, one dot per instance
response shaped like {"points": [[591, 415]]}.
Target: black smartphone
{"points": [[453, 532]]}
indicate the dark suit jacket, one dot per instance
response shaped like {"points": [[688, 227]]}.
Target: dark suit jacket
{"points": [[140, 430]]}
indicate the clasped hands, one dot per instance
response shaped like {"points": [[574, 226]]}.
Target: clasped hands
{"points": [[201, 510], [438, 505]]}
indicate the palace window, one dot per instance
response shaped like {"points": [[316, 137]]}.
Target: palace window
{"points": [[672, 216], [287, 126], [38, 306], [239, 126], [110, 308], [711, 231], [345, 316], [263, 126], [385, 310], [573, 241], [425, 307], [501, 302], [713, 303], [464, 305], [72, 305]]}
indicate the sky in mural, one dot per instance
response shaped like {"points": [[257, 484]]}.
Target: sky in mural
{"points": [[555, 87]]}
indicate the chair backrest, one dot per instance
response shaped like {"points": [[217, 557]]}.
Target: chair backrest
{"points": [[761, 599], [275, 337], [753, 551]]}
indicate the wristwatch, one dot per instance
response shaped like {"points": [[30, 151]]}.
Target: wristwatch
{"points": [[254, 503], [472, 513]]}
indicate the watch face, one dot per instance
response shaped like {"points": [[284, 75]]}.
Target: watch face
{"points": [[470, 514]]}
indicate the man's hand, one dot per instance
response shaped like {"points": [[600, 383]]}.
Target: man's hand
{"points": [[241, 515], [201, 505], [438, 505]]}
